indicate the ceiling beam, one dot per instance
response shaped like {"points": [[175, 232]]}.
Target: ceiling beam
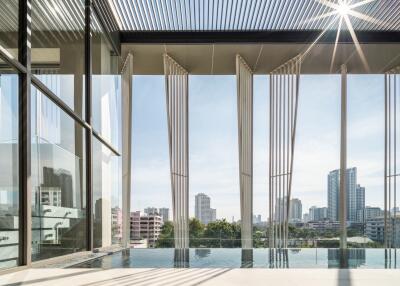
{"points": [[221, 37]]}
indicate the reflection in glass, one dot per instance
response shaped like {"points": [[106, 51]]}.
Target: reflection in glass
{"points": [[107, 197], [106, 84], [58, 48], [58, 182], [9, 189]]}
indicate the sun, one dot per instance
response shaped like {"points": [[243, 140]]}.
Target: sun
{"points": [[343, 9]]}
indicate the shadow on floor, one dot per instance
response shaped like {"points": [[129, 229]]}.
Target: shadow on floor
{"points": [[47, 279], [344, 277], [169, 277]]}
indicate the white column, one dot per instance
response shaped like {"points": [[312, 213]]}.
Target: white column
{"points": [[176, 87], [343, 160], [126, 74], [244, 79]]}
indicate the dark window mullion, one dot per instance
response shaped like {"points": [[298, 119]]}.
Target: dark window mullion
{"points": [[24, 133]]}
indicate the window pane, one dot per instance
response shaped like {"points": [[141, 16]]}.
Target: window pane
{"points": [[107, 196], [151, 160], [214, 165], [58, 181], [106, 87], [58, 48], [9, 26], [315, 187], [9, 189], [366, 135]]}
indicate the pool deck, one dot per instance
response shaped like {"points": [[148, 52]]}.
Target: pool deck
{"points": [[202, 276]]}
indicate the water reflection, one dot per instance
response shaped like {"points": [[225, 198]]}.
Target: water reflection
{"points": [[181, 258], [278, 258], [247, 258], [202, 252], [346, 258]]}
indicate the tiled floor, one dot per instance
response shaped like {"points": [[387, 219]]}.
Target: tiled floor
{"points": [[204, 276]]}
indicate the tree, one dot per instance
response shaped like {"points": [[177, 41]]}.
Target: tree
{"points": [[166, 238], [196, 232]]}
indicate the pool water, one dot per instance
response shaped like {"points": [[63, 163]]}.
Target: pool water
{"points": [[256, 258]]}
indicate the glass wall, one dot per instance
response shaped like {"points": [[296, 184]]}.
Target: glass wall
{"points": [[58, 181], [107, 196], [214, 195], [315, 187], [106, 87], [9, 186], [151, 178], [366, 135], [260, 159], [58, 54], [106, 111]]}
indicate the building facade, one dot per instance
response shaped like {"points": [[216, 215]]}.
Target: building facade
{"points": [[295, 211], [145, 227], [318, 214], [203, 212], [355, 196]]}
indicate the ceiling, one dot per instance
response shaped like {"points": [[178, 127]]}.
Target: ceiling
{"points": [[252, 15]]}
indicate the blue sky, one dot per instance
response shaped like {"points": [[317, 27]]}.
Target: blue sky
{"points": [[213, 144]]}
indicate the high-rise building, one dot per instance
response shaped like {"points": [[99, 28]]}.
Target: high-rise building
{"points": [[368, 213], [203, 212], [333, 194], [150, 210], [306, 217], [164, 213], [257, 218], [295, 211], [360, 203], [318, 214]]}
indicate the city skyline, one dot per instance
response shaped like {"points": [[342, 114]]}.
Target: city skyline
{"points": [[214, 162]]}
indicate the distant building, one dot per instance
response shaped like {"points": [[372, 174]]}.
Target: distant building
{"points": [[150, 210], [351, 198], [116, 225], [295, 211], [306, 217], [360, 203], [257, 218], [146, 227], [375, 229], [164, 213], [323, 225], [369, 213], [203, 212], [318, 214]]}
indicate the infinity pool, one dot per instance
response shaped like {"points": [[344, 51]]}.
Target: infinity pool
{"points": [[257, 258]]}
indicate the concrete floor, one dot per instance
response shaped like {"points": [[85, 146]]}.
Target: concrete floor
{"points": [[203, 276]]}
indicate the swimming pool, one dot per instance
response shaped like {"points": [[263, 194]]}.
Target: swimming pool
{"points": [[255, 258]]}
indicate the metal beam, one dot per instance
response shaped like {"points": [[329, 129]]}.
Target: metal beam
{"points": [[291, 36], [88, 113], [24, 134]]}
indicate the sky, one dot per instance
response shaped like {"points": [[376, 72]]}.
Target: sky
{"points": [[213, 141]]}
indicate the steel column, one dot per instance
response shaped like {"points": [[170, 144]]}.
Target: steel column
{"points": [[24, 134], [88, 113]]}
